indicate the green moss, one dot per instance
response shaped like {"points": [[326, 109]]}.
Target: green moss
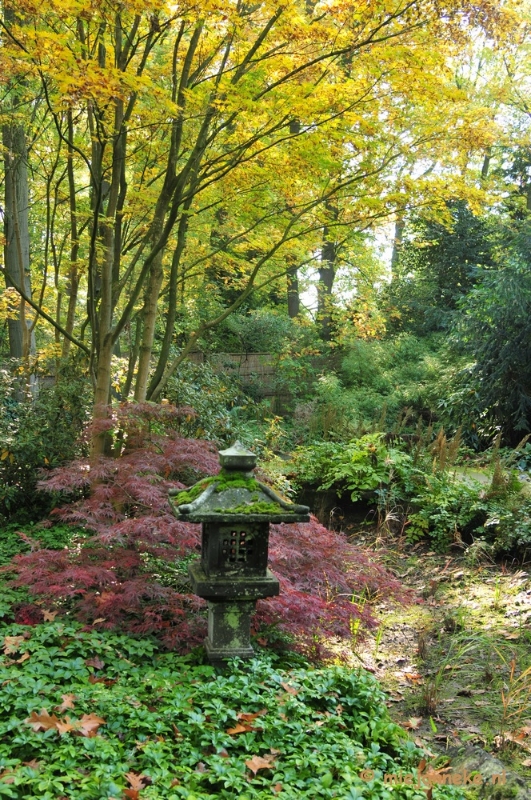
{"points": [[262, 507], [229, 479], [224, 480], [191, 494]]}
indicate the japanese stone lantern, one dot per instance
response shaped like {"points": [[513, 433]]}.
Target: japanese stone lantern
{"points": [[235, 510]]}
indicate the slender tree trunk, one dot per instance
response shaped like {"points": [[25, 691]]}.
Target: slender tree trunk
{"points": [[16, 226], [73, 275], [397, 244], [17, 242], [148, 329], [327, 274], [486, 164], [294, 305]]}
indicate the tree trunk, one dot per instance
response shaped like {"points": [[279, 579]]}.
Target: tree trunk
{"points": [[73, 274], [398, 238], [148, 328], [17, 243], [327, 273], [294, 305]]}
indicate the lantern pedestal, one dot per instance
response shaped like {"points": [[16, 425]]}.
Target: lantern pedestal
{"points": [[229, 630]]}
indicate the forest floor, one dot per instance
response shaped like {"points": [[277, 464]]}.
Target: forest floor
{"points": [[456, 664]]}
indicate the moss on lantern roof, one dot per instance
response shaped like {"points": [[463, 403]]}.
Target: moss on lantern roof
{"points": [[225, 479], [234, 493], [259, 507], [188, 495]]}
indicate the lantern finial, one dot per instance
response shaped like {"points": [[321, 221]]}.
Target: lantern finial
{"points": [[238, 458]]}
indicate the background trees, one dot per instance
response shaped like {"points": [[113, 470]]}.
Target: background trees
{"points": [[178, 151]]}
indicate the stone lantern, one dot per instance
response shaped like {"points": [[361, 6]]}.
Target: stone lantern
{"points": [[235, 510]]}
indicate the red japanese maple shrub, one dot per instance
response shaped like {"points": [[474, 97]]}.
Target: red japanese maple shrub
{"points": [[111, 578]]}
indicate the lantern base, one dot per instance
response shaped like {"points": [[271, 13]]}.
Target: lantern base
{"points": [[229, 630]]}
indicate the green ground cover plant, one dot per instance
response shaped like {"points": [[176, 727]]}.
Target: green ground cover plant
{"points": [[93, 715]]}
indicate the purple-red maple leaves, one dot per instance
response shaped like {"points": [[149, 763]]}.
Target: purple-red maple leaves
{"points": [[111, 577]]}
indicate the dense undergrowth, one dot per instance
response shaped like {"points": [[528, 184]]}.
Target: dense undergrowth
{"points": [[90, 715], [424, 486]]}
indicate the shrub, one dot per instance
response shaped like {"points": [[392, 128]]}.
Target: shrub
{"points": [[212, 398], [378, 384], [358, 466], [122, 575], [37, 434]]}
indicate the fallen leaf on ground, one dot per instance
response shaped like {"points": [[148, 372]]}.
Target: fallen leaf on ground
{"points": [[239, 728], [49, 616], [68, 702], [89, 724], [95, 662], [257, 762], [12, 644], [135, 781], [289, 689], [244, 717], [23, 657], [413, 723], [101, 679], [65, 726], [42, 721], [413, 677]]}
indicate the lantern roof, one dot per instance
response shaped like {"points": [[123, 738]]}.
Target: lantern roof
{"points": [[234, 495]]}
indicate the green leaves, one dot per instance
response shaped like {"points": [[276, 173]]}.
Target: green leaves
{"points": [[358, 466], [166, 721]]}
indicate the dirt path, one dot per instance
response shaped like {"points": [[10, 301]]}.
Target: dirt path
{"points": [[457, 664]]}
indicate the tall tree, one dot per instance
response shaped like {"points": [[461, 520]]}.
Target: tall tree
{"points": [[16, 208], [161, 115]]}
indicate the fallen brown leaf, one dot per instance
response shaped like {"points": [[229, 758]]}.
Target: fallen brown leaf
{"points": [[68, 702], [42, 721], [65, 726], [244, 717], [289, 689], [12, 644], [239, 728], [49, 616], [89, 724], [23, 657], [413, 723], [257, 763], [135, 781], [95, 662], [101, 679]]}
